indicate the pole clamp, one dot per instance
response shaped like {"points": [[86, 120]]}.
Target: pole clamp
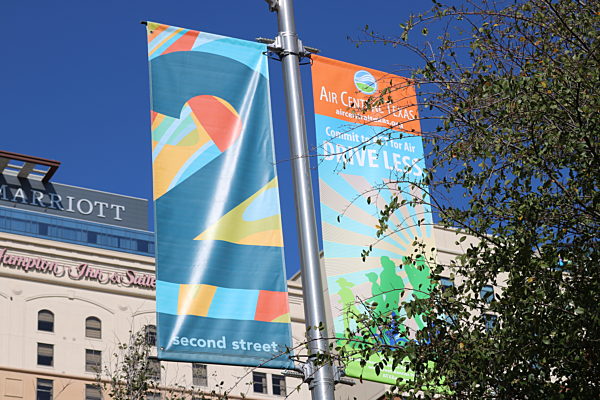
{"points": [[276, 46], [309, 369], [273, 4]]}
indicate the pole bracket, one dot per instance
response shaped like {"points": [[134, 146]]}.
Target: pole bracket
{"points": [[308, 372], [339, 376], [273, 4], [277, 46]]}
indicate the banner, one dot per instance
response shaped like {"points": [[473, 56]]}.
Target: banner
{"points": [[221, 292], [363, 155]]}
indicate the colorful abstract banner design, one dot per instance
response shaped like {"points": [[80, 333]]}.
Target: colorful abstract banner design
{"points": [[356, 183], [221, 291]]}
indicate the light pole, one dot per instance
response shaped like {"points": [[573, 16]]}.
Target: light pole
{"points": [[290, 49]]}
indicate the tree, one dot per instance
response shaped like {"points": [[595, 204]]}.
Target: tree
{"points": [[132, 375], [510, 91]]}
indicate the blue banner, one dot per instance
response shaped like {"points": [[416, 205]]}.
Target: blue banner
{"points": [[221, 291]]}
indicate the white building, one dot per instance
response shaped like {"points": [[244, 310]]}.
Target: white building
{"points": [[73, 284]]}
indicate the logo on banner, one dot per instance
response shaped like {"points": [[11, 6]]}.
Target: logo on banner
{"points": [[365, 82]]}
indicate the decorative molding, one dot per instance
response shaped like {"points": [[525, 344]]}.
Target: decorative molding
{"points": [[69, 297]]}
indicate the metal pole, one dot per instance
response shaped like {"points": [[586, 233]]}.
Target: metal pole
{"points": [[322, 382]]}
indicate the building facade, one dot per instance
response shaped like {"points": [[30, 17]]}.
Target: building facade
{"points": [[77, 279]]}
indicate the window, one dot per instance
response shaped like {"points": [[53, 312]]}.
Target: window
{"points": [[18, 221], [43, 229], [259, 381], [487, 293], [153, 396], [108, 240], [199, 374], [93, 328], [279, 385], [92, 237], [489, 321], [45, 354], [446, 283], [154, 369], [150, 335], [66, 233], [142, 245], [44, 389], [93, 392], [46, 321], [93, 360]]}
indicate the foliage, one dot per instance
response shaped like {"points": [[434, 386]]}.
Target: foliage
{"points": [[511, 89], [132, 375]]}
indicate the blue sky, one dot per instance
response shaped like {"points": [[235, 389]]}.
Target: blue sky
{"points": [[74, 78]]}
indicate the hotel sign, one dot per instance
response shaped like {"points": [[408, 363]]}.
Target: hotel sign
{"points": [[127, 278], [73, 202]]}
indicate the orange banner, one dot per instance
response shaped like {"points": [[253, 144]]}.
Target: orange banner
{"points": [[343, 93]]}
